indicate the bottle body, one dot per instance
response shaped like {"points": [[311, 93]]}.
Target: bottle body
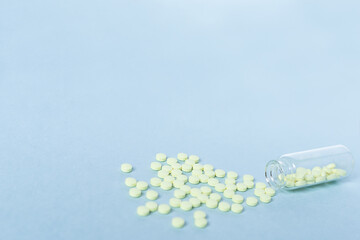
{"points": [[307, 168]]}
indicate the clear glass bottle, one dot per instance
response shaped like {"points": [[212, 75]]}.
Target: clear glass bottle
{"points": [[308, 168]]}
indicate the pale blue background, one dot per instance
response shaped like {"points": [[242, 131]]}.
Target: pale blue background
{"points": [[87, 85]]}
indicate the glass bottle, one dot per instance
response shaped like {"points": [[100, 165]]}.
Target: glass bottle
{"points": [[308, 168]]}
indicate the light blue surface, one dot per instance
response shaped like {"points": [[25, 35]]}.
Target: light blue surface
{"points": [[88, 85]]}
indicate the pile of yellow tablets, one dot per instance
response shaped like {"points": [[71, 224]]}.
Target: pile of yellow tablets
{"points": [[194, 184]]}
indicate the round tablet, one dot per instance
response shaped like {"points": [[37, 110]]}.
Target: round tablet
{"points": [[200, 222], [171, 161], [198, 166], [152, 195], [205, 190], [182, 156], [210, 174], [230, 181], [331, 165], [327, 170], [152, 206], [203, 198], [236, 208], [270, 191], [175, 202], [220, 187], [319, 179], [177, 222], [211, 203], [179, 194], [229, 193], [162, 173], [299, 176], [237, 198], [167, 168], [331, 176], [166, 185], [290, 184], [195, 202], [265, 198], [176, 166], [213, 181], [186, 205], [220, 173], [194, 180], [176, 175], [190, 162], [339, 172], [215, 196], [248, 177], [195, 158], [178, 183], [300, 183], [316, 171], [208, 167], [196, 172], [224, 206], [155, 182], [309, 177], [195, 192], [156, 166], [134, 192], [130, 182], [241, 187], [160, 157], [260, 185], [231, 187], [258, 192], [186, 167], [232, 174], [182, 177], [186, 189], [126, 167], [142, 211], [164, 208], [169, 179], [199, 214], [251, 201], [203, 178], [249, 184], [142, 185]]}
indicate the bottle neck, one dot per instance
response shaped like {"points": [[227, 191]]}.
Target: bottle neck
{"points": [[276, 170]]}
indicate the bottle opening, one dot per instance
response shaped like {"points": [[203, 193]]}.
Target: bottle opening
{"points": [[275, 174]]}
